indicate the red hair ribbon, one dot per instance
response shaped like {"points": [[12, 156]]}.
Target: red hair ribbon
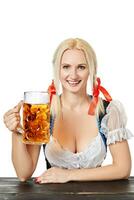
{"points": [[51, 90], [96, 91]]}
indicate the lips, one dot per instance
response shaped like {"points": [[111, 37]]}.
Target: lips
{"points": [[73, 83]]}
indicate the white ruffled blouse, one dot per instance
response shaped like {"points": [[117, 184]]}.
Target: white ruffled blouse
{"points": [[113, 126]]}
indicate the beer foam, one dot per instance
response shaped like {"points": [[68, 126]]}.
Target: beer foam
{"points": [[36, 97]]}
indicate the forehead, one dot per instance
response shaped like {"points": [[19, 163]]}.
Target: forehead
{"points": [[73, 55]]}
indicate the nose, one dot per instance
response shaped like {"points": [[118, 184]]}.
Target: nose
{"points": [[73, 73]]}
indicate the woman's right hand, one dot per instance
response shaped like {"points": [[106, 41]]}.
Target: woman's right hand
{"points": [[12, 118]]}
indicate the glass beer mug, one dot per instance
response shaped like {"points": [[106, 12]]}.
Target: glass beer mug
{"points": [[36, 118]]}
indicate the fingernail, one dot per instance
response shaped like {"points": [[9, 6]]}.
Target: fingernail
{"points": [[36, 180]]}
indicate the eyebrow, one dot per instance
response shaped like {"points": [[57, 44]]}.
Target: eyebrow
{"points": [[69, 64]]}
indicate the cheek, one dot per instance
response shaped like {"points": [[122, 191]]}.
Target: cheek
{"points": [[63, 74], [85, 75]]}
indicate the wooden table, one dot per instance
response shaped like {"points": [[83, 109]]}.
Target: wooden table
{"points": [[13, 189]]}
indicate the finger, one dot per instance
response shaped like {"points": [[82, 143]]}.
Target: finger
{"points": [[46, 180], [43, 178], [13, 124], [19, 129], [11, 111], [11, 121], [14, 127], [49, 180], [11, 116]]}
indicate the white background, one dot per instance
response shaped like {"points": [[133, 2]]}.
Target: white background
{"points": [[29, 34]]}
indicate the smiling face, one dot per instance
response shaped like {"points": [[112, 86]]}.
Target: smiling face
{"points": [[74, 71]]}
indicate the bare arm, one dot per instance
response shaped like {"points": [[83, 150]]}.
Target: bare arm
{"points": [[119, 169], [24, 156], [121, 159]]}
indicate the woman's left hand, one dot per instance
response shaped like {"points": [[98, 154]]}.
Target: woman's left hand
{"points": [[54, 175]]}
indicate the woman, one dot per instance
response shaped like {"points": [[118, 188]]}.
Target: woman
{"points": [[84, 125]]}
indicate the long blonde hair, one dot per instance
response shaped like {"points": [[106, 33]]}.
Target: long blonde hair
{"points": [[76, 43]]}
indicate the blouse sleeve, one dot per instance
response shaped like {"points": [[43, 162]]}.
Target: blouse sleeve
{"points": [[113, 124]]}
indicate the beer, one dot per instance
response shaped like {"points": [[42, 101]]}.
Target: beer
{"points": [[36, 122]]}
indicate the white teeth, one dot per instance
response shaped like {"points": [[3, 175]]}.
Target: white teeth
{"points": [[73, 82]]}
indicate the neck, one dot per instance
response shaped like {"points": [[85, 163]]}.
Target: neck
{"points": [[72, 101]]}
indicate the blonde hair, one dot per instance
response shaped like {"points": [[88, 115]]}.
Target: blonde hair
{"points": [[80, 44]]}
